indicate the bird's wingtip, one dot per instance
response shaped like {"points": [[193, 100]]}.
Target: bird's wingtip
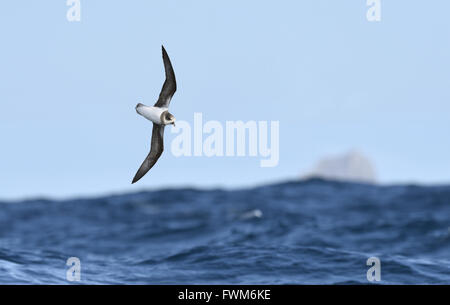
{"points": [[164, 50], [136, 178]]}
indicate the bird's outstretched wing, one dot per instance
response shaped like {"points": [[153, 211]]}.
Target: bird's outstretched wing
{"points": [[170, 84], [155, 152]]}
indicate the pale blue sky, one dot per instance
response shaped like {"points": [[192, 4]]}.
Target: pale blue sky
{"points": [[334, 81]]}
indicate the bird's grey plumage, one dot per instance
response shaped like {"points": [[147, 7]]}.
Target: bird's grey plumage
{"points": [[170, 84], [157, 148], [157, 144]]}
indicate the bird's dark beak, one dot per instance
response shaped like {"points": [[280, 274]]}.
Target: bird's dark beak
{"points": [[173, 124]]}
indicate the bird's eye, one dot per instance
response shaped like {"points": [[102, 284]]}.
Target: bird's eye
{"points": [[168, 118]]}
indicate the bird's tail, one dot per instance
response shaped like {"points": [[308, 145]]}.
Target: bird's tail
{"points": [[139, 105]]}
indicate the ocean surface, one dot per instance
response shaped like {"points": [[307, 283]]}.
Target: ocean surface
{"points": [[309, 232]]}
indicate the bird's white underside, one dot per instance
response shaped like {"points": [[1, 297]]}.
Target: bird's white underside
{"points": [[151, 113]]}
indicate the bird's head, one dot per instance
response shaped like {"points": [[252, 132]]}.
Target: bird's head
{"points": [[168, 119]]}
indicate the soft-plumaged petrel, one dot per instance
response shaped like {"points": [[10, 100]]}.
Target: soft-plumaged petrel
{"points": [[160, 116]]}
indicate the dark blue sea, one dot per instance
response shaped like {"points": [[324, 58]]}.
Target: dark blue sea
{"points": [[309, 232]]}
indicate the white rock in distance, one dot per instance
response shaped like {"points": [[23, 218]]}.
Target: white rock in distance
{"points": [[352, 166]]}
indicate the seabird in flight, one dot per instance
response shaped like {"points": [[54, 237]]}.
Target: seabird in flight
{"points": [[160, 116]]}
